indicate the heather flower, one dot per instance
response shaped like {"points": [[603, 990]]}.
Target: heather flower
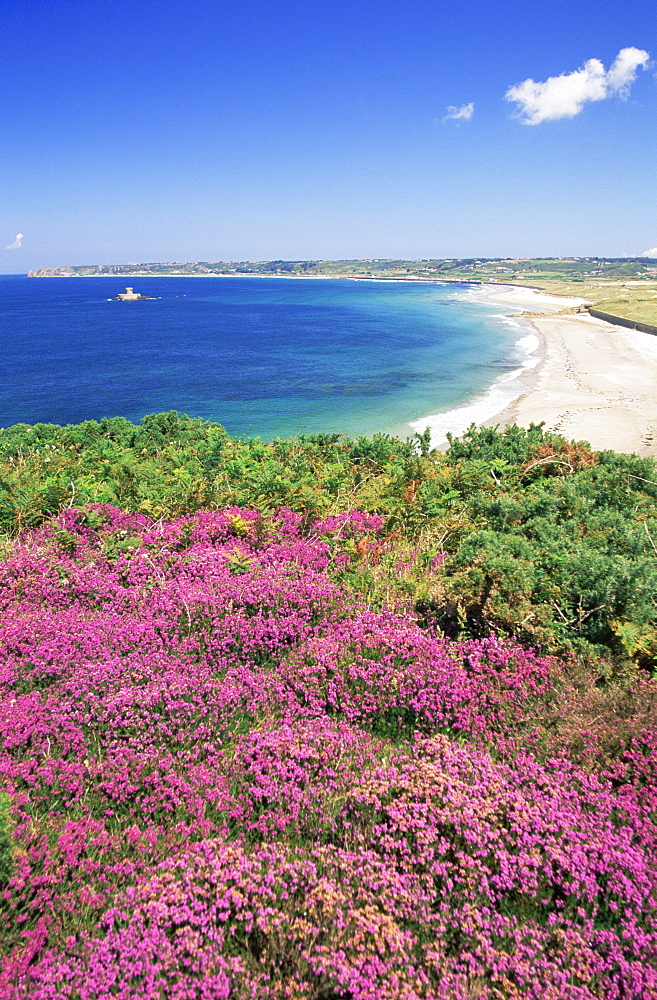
{"points": [[226, 776]]}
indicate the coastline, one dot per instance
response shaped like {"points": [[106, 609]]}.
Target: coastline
{"points": [[588, 380], [474, 282], [489, 407], [597, 383], [582, 377]]}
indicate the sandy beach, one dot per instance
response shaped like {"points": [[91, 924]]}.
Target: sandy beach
{"points": [[596, 383], [590, 380]]}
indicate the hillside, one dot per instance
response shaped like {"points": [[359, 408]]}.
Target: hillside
{"points": [[325, 718]]}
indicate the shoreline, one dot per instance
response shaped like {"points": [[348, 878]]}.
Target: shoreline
{"points": [[582, 377], [590, 380], [487, 407], [478, 284], [291, 277], [597, 383]]}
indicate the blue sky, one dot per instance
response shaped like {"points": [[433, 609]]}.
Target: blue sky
{"points": [[298, 129]]}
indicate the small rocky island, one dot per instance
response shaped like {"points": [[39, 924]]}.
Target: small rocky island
{"points": [[129, 296]]}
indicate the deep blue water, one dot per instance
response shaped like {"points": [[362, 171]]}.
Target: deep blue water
{"points": [[266, 357]]}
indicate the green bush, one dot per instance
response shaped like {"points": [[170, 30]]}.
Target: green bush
{"points": [[6, 840], [519, 531]]}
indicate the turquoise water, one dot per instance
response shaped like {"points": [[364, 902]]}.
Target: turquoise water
{"points": [[268, 357]]}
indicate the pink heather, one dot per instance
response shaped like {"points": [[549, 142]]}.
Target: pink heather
{"points": [[231, 778]]}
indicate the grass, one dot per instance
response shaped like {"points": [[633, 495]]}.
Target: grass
{"points": [[639, 305]]}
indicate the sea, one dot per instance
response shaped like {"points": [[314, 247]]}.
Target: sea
{"points": [[265, 357]]}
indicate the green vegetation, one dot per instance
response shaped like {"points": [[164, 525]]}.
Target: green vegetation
{"points": [[630, 282], [517, 532], [6, 840], [563, 269], [266, 729], [639, 305]]}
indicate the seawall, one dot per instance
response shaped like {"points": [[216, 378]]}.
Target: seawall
{"points": [[622, 321]]}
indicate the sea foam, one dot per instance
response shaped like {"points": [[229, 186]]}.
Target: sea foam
{"points": [[500, 395]]}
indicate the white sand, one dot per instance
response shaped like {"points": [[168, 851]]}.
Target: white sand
{"points": [[588, 380], [596, 383]]}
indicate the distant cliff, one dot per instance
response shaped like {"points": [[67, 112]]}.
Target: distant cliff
{"points": [[128, 270], [52, 272]]}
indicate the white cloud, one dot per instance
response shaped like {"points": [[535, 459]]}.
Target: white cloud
{"points": [[461, 113], [564, 96], [18, 242], [623, 70], [649, 253]]}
